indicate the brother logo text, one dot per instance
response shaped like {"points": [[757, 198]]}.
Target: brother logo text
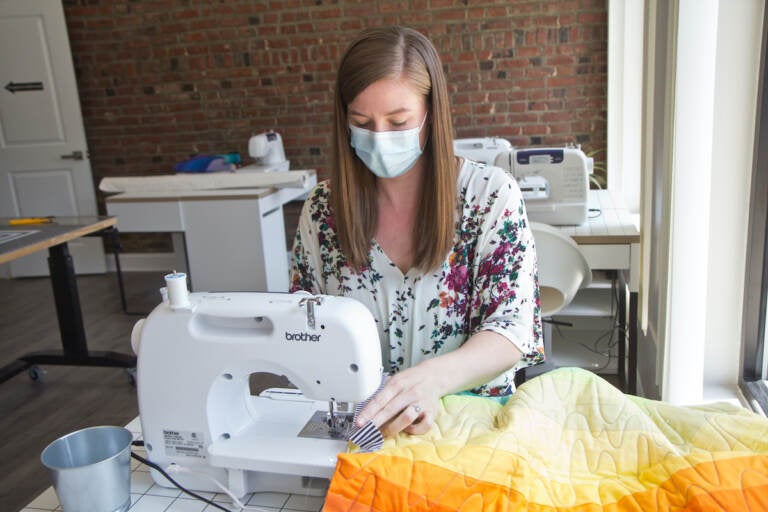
{"points": [[301, 336]]}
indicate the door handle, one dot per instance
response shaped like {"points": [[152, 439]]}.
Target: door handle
{"points": [[75, 155]]}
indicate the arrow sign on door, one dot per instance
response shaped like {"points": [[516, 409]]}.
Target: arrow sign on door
{"points": [[24, 86]]}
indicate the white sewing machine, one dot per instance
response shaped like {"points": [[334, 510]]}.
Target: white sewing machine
{"points": [[268, 153], [554, 181], [195, 358], [482, 149]]}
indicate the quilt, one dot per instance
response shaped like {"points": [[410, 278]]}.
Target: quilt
{"points": [[567, 441]]}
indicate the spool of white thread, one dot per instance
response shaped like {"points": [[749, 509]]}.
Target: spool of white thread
{"points": [[178, 295]]}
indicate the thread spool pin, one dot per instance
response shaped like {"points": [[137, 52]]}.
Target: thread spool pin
{"points": [[178, 294]]}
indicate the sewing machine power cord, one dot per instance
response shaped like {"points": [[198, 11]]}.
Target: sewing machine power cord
{"points": [[170, 478], [187, 491]]}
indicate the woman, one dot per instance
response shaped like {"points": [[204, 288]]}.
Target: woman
{"points": [[437, 247]]}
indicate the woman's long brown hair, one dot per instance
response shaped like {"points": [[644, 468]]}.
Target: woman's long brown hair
{"points": [[405, 54]]}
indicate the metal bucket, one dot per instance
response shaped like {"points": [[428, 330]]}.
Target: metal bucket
{"points": [[91, 469]]}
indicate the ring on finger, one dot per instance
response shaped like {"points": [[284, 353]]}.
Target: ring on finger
{"points": [[417, 408]]}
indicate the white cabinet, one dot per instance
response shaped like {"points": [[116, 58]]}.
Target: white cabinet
{"points": [[233, 239], [587, 332]]}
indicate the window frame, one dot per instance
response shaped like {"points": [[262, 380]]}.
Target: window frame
{"points": [[752, 381]]}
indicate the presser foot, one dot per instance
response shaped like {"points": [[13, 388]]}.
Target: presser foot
{"points": [[323, 425]]}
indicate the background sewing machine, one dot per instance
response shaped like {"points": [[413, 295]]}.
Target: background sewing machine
{"points": [[554, 181], [195, 358], [268, 153], [482, 149], [573, 274]]}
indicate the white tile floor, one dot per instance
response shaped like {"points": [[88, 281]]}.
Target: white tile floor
{"points": [[146, 496]]}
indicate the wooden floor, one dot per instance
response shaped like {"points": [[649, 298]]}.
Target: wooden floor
{"points": [[34, 413]]}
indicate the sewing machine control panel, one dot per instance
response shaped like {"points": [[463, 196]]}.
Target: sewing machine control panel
{"points": [[563, 168]]}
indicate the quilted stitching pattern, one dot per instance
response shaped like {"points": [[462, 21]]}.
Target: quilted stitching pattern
{"points": [[566, 441]]}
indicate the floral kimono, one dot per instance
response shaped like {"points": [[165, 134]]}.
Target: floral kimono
{"points": [[488, 281]]}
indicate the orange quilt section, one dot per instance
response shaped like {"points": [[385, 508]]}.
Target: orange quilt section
{"points": [[567, 441], [376, 483]]}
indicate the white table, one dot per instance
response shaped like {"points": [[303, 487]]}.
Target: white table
{"points": [[232, 239], [610, 240], [146, 496]]}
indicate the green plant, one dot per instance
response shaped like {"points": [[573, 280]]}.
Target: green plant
{"points": [[599, 176]]}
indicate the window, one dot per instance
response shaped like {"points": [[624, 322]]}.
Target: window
{"points": [[754, 360], [701, 87]]}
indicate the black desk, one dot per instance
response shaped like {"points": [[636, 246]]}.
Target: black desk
{"points": [[54, 237]]}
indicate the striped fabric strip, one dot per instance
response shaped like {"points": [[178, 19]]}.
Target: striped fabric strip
{"points": [[367, 438]]}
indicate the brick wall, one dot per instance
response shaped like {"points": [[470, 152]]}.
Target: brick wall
{"points": [[165, 79]]}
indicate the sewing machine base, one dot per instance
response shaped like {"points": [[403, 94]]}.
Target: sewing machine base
{"points": [[242, 483], [264, 456]]}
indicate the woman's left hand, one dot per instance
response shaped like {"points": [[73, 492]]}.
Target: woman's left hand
{"points": [[408, 402]]}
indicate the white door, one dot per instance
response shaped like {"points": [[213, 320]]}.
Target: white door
{"points": [[44, 166]]}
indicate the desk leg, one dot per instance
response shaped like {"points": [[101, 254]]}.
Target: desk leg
{"points": [[67, 299], [628, 344], [632, 346], [74, 346], [117, 248], [620, 289]]}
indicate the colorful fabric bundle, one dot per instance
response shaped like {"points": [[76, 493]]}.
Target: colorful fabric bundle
{"points": [[208, 163]]}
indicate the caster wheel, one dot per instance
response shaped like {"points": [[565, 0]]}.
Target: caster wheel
{"points": [[36, 373], [131, 372]]}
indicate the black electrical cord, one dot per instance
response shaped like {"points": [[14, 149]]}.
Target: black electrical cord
{"points": [[609, 333], [170, 479]]}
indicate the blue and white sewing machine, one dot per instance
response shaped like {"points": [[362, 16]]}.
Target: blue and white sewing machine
{"points": [[196, 354], [554, 181]]}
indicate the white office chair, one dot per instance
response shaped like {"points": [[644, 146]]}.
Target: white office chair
{"points": [[563, 270]]}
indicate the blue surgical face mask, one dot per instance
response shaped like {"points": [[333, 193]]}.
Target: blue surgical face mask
{"points": [[387, 154]]}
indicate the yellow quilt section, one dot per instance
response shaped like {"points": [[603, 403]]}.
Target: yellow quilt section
{"points": [[566, 441]]}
